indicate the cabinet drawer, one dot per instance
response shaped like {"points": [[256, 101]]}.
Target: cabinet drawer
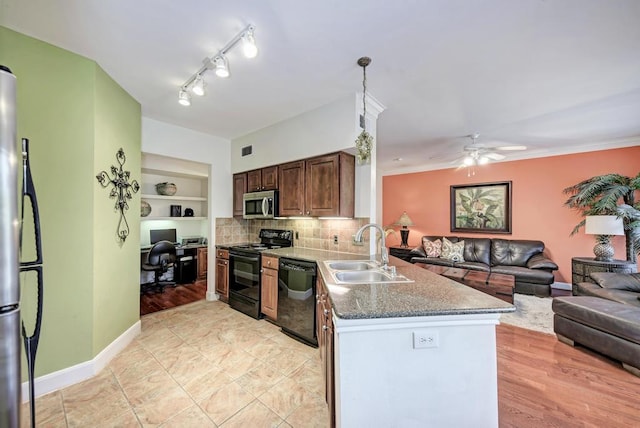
{"points": [[223, 254], [269, 262]]}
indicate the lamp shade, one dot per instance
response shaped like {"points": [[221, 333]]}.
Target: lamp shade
{"points": [[404, 220], [603, 225]]}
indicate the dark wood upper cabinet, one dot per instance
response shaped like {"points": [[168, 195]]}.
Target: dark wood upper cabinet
{"points": [[262, 179], [239, 189], [291, 181], [330, 181], [318, 187]]}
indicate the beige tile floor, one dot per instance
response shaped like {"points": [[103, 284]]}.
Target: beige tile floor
{"points": [[198, 365]]}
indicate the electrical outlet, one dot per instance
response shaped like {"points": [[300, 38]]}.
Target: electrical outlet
{"points": [[426, 339], [335, 239]]}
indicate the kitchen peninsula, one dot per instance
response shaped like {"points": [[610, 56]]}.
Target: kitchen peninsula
{"points": [[419, 353]]}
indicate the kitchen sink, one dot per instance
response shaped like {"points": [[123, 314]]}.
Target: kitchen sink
{"points": [[358, 265], [367, 277]]}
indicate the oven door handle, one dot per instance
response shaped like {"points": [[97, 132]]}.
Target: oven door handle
{"points": [[245, 258]]}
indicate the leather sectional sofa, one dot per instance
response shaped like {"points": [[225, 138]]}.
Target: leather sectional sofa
{"points": [[523, 259], [604, 316]]}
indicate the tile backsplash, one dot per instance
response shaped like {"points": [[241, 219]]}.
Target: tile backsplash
{"points": [[308, 233]]}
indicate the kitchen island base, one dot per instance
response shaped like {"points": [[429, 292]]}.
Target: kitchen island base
{"points": [[383, 378]]}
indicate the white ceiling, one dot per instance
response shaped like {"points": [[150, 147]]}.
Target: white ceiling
{"points": [[559, 76]]}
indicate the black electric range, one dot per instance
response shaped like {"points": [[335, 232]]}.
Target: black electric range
{"points": [[244, 269]]}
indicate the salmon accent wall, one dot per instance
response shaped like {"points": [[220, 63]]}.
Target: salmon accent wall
{"points": [[538, 210]]}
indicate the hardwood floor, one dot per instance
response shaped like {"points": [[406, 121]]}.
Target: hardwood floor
{"points": [[172, 297], [545, 383]]}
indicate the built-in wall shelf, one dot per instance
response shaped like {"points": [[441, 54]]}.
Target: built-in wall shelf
{"points": [[172, 218], [175, 198]]}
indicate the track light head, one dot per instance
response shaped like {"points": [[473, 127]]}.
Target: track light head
{"points": [[249, 44], [198, 86], [184, 98], [222, 66]]}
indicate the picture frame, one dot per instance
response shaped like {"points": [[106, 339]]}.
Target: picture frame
{"points": [[176, 210], [481, 208]]}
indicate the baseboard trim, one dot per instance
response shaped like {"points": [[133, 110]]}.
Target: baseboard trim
{"points": [[561, 286], [211, 296], [71, 375]]}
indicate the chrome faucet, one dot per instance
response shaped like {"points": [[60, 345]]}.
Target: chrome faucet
{"points": [[383, 247]]}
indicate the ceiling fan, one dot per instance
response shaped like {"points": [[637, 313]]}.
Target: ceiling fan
{"points": [[480, 154]]}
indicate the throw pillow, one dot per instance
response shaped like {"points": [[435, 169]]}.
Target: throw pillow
{"points": [[618, 281], [432, 248], [452, 251]]}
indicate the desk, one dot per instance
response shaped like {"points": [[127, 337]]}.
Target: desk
{"points": [[185, 270]]}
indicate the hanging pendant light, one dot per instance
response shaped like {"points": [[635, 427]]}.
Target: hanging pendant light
{"points": [[364, 142]]}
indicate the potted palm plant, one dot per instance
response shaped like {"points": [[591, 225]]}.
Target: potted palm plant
{"points": [[602, 195]]}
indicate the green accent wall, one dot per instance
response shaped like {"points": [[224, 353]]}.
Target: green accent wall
{"points": [[76, 118]]}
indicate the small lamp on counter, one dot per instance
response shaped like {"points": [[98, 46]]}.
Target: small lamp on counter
{"points": [[604, 227], [404, 221]]}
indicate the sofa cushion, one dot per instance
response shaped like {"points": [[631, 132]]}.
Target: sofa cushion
{"points": [[452, 251], [514, 252], [611, 317], [620, 296], [534, 276], [540, 261], [432, 248], [477, 250], [432, 261], [473, 266], [618, 281]]}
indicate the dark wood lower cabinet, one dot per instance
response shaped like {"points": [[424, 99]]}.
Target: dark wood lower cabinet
{"points": [[324, 325], [222, 274]]}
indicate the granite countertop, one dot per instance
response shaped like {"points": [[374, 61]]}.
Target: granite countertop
{"points": [[430, 294]]}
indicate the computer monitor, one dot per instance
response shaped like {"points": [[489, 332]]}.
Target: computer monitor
{"points": [[162, 235]]}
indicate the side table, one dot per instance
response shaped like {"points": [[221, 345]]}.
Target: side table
{"points": [[401, 252], [582, 267]]}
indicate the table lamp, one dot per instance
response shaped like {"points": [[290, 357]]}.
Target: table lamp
{"points": [[404, 221], [604, 227]]}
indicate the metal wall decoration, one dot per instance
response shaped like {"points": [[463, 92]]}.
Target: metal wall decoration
{"points": [[121, 190]]}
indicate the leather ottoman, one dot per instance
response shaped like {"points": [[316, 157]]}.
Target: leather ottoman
{"points": [[610, 328]]}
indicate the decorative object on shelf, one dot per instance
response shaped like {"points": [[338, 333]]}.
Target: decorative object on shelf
{"points": [[176, 210], [481, 208], [404, 221], [121, 190], [219, 63], [188, 212], [604, 227], [166, 189], [145, 208], [599, 195], [364, 142]]}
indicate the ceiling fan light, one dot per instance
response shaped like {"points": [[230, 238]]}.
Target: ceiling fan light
{"points": [[468, 161], [249, 47], [222, 67], [198, 86], [184, 98], [483, 160]]}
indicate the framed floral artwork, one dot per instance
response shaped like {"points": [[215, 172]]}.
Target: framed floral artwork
{"points": [[481, 208]]}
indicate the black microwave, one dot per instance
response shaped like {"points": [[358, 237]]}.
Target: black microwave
{"points": [[260, 205]]}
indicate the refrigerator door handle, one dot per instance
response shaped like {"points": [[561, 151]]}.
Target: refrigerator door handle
{"points": [[31, 342]]}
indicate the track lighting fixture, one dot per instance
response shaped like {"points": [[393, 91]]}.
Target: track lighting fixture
{"points": [[219, 63], [198, 86], [222, 67], [184, 98], [249, 45]]}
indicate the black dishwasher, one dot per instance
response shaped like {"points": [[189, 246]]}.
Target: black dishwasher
{"points": [[296, 299]]}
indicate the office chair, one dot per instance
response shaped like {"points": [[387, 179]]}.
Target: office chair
{"points": [[161, 256]]}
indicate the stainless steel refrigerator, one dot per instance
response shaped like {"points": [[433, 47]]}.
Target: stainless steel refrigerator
{"points": [[9, 255]]}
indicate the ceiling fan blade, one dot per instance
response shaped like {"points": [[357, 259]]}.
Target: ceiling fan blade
{"points": [[510, 148], [494, 156]]}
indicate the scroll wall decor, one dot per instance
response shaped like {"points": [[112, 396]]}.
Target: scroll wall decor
{"points": [[121, 191]]}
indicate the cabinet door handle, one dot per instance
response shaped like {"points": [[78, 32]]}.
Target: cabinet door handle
{"points": [[325, 328], [308, 212], [326, 311]]}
